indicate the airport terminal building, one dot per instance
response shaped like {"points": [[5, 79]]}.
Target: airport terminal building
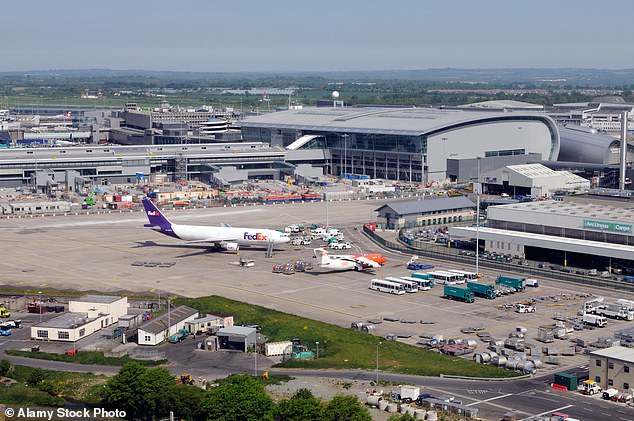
{"points": [[406, 144]]}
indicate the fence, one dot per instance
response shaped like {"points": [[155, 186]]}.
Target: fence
{"points": [[526, 267]]}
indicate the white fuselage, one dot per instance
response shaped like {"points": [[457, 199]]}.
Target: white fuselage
{"points": [[242, 236]]}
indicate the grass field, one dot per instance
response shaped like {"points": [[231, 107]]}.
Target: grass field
{"points": [[83, 357], [57, 386], [341, 348]]}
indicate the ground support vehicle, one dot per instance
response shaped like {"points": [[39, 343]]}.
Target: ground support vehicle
{"points": [[4, 312], [594, 320], [407, 393], [523, 308], [458, 293], [589, 387], [615, 311]]}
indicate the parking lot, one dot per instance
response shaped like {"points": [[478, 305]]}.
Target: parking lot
{"points": [[97, 254]]}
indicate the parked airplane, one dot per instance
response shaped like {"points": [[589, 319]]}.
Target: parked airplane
{"points": [[349, 261], [222, 238]]}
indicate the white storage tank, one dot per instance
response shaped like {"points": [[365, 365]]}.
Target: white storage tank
{"points": [[419, 414], [431, 416], [383, 404], [404, 408], [391, 407]]}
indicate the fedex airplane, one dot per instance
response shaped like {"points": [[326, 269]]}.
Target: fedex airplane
{"points": [[222, 238], [348, 261]]}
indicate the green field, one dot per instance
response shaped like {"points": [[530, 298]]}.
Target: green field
{"points": [[341, 348], [83, 357]]}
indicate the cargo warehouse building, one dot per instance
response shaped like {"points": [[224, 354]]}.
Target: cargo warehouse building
{"points": [[419, 213], [587, 235]]}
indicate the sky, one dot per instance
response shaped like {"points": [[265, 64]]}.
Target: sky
{"points": [[317, 35]]}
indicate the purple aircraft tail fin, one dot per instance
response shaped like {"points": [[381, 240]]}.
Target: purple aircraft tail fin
{"points": [[157, 219]]}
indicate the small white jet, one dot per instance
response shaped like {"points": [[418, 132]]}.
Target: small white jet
{"points": [[347, 262], [222, 238]]}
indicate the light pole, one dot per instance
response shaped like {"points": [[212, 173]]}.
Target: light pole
{"points": [[255, 359], [158, 290], [317, 343], [40, 292], [478, 221], [377, 362]]}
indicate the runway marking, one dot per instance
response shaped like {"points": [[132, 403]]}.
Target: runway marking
{"points": [[490, 399], [549, 412]]}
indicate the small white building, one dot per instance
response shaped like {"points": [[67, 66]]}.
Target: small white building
{"points": [[87, 315], [211, 321], [158, 329], [104, 304]]}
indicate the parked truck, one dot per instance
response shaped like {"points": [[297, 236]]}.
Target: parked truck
{"points": [[594, 320], [458, 293], [518, 284], [615, 311], [178, 336], [482, 290]]}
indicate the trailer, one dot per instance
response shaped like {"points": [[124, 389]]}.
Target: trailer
{"points": [[482, 290], [519, 284], [458, 293], [615, 311]]}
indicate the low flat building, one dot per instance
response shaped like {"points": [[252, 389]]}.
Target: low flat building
{"points": [[237, 337], [86, 316], [613, 367], [104, 304], [585, 235], [532, 180], [70, 327], [211, 321], [160, 328], [433, 211]]}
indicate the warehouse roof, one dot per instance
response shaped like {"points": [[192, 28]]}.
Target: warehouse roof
{"points": [[159, 324], [576, 209], [236, 331], [617, 352], [67, 321], [430, 205]]}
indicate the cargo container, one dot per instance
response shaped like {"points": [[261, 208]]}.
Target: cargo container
{"points": [[482, 290], [458, 293], [569, 381], [519, 284]]}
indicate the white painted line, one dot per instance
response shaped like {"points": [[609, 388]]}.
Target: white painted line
{"points": [[550, 412], [490, 399]]}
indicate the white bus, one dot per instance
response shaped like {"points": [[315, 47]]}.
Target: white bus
{"points": [[387, 286], [467, 275], [410, 286], [446, 278], [423, 284]]}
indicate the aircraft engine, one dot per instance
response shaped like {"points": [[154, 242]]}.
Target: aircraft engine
{"points": [[230, 246]]}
